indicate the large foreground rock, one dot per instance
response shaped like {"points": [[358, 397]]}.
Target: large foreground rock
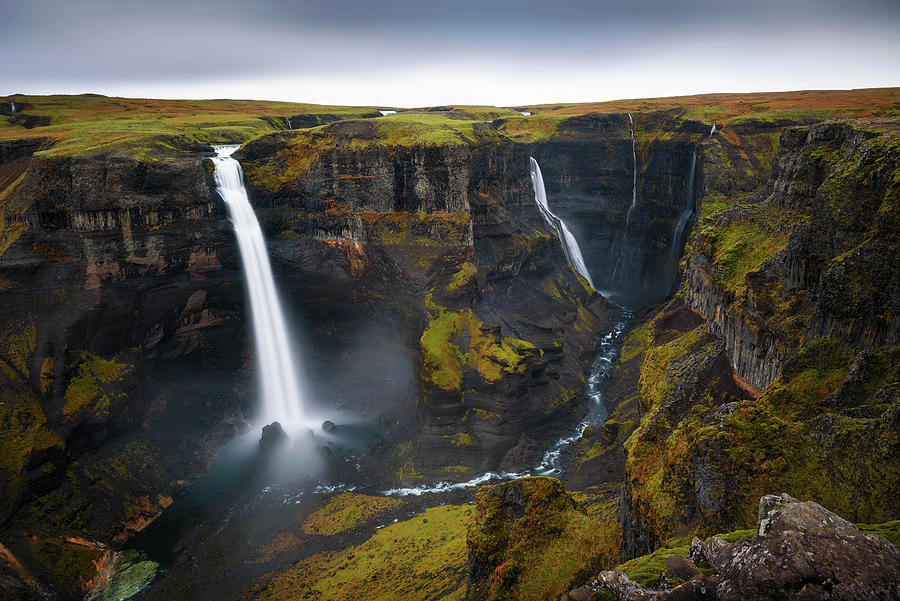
{"points": [[802, 551]]}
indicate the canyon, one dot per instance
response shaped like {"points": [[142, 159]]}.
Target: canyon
{"points": [[440, 320]]}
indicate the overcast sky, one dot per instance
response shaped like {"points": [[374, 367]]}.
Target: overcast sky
{"points": [[427, 52]]}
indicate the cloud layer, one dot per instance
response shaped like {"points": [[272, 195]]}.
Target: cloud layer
{"points": [[408, 53]]}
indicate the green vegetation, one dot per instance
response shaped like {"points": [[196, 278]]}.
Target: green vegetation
{"points": [[454, 341], [95, 385], [541, 548], [72, 562], [133, 572], [153, 129], [345, 512], [416, 559], [467, 273]]}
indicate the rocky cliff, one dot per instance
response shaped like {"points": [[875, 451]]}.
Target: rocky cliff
{"points": [[787, 374], [433, 303]]}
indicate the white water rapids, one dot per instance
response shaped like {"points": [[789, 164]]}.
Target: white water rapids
{"points": [[569, 243], [280, 384]]}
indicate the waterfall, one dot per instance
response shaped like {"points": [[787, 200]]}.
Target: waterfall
{"points": [[712, 130], [525, 113], [633, 202], [288, 121], [386, 113], [686, 212], [282, 398], [12, 107], [569, 244]]}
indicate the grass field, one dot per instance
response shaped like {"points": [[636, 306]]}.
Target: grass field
{"points": [[159, 129]]}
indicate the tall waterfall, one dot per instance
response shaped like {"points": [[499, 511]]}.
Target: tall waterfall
{"points": [[633, 202], [712, 130], [280, 387], [686, 212], [12, 108], [569, 244]]}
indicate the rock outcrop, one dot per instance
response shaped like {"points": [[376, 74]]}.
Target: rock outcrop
{"points": [[802, 551], [530, 540]]}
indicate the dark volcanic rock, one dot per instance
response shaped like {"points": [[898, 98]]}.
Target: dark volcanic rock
{"points": [[273, 436], [801, 551]]}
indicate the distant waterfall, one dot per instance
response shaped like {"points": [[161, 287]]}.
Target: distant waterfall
{"points": [[569, 244], [385, 113], [686, 212], [282, 399], [712, 130], [633, 202], [288, 121], [12, 107]]}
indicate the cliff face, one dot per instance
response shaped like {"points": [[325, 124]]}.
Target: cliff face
{"points": [[502, 326], [798, 285], [593, 173], [423, 275]]}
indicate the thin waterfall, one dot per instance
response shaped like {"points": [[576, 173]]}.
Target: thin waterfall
{"points": [[12, 107], [633, 202], [569, 243], [288, 121], [688, 209], [686, 212], [280, 384], [712, 130]]}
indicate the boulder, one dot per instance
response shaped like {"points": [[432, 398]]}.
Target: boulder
{"points": [[273, 436], [682, 567], [801, 551]]}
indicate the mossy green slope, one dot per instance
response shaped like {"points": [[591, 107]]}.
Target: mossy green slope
{"points": [[422, 558], [530, 540]]}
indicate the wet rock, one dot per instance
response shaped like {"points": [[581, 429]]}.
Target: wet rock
{"points": [[590, 431], [273, 436], [328, 426]]}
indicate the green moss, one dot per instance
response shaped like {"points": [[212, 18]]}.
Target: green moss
{"points": [[741, 248], [636, 341], [454, 341], [416, 559], [72, 564], [548, 287], [467, 272], [542, 548], [133, 572], [94, 386], [405, 459], [460, 439], [24, 430], [655, 380], [346, 512], [889, 530]]}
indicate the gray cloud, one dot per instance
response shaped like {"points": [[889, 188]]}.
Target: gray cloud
{"points": [[177, 45]]}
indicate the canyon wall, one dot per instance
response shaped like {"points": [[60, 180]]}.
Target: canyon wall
{"points": [[793, 280]]}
